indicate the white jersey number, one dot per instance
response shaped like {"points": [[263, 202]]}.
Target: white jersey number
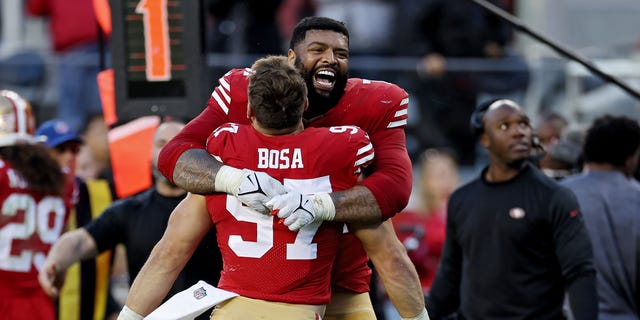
{"points": [[341, 129], [45, 218], [301, 249]]}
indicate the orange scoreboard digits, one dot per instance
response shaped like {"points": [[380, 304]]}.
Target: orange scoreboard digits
{"points": [[154, 31], [158, 57], [156, 39]]}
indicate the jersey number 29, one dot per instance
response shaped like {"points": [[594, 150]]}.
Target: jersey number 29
{"points": [[45, 219]]}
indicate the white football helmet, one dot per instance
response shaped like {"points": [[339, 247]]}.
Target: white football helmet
{"points": [[17, 122]]}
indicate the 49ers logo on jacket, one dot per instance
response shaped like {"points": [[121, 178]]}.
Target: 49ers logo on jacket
{"points": [[516, 213]]}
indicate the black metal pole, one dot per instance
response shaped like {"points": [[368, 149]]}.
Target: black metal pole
{"points": [[557, 47]]}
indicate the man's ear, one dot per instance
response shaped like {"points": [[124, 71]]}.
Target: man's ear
{"points": [[291, 56], [249, 111], [484, 140], [306, 104]]}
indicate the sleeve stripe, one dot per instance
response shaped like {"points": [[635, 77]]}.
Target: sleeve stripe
{"points": [[364, 155], [395, 124], [364, 160], [225, 95], [364, 149], [404, 101], [221, 103], [402, 112], [225, 84]]}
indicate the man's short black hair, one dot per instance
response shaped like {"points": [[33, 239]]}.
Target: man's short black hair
{"points": [[612, 140], [316, 23]]}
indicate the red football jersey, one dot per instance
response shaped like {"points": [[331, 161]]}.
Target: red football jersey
{"points": [[29, 225], [262, 258], [378, 107], [423, 235]]}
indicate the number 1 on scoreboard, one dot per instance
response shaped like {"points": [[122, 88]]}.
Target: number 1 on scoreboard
{"points": [[156, 39]]}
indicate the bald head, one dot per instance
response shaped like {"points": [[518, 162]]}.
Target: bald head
{"points": [[477, 118], [507, 133], [165, 132]]}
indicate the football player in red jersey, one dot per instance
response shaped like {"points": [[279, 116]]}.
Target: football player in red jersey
{"points": [[278, 273], [34, 211], [320, 49]]}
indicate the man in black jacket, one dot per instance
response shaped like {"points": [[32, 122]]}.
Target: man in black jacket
{"points": [[516, 241]]}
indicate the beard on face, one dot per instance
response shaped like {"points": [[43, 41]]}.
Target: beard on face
{"points": [[319, 104]]}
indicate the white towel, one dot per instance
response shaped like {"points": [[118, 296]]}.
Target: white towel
{"points": [[190, 303]]}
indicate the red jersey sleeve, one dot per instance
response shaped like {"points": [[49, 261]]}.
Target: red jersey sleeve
{"points": [[216, 141], [228, 102], [391, 181], [365, 153], [392, 177], [390, 105]]}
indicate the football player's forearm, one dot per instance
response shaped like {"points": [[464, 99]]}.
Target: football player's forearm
{"points": [[356, 205], [401, 284], [153, 282], [72, 247], [397, 272], [196, 171]]}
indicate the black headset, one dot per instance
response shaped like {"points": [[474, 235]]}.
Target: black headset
{"points": [[476, 122]]}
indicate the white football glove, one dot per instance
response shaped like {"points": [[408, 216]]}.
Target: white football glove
{"points": [[299, 210], [252, 188]]}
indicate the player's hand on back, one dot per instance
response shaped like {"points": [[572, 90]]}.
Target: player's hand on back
{"points": [[299, 210], [252, 188], [256, 189]]}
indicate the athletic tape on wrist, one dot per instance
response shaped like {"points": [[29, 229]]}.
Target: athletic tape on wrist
{"points": [[228, 179], [422, 316], [323, 206], [128, 314]]}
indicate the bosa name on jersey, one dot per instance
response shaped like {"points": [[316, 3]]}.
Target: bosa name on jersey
{"points": [[280, 159]]}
